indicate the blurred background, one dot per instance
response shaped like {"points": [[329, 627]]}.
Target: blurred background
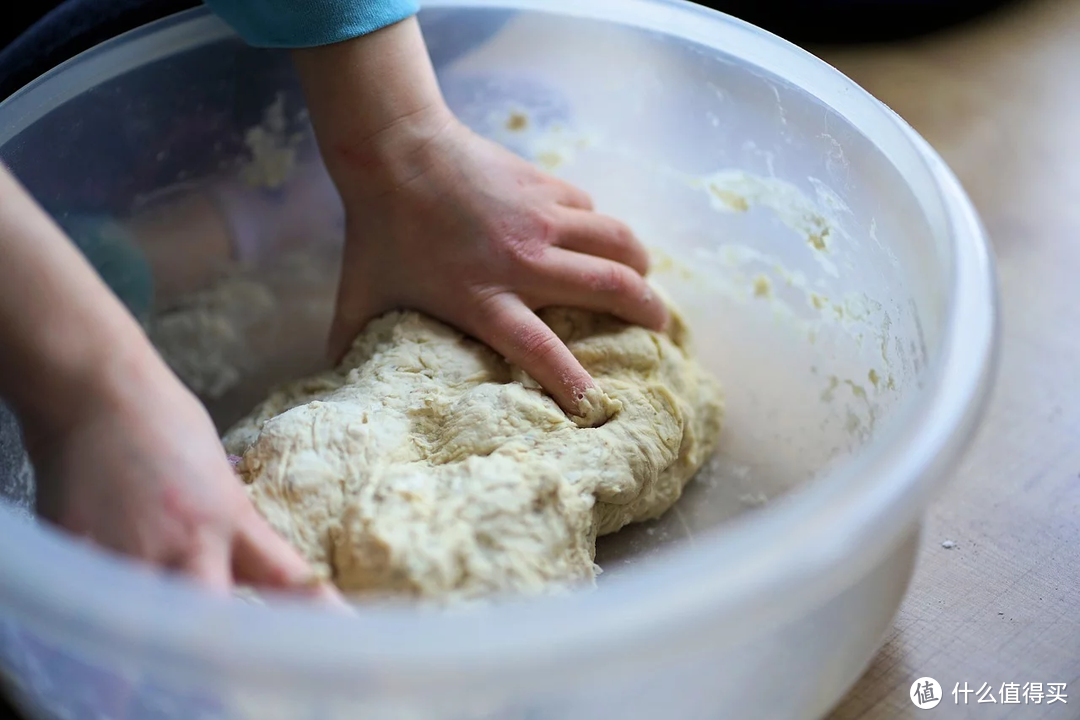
{"points": [[39, 35]]}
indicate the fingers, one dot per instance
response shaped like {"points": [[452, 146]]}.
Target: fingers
{"points": [[573, 279], [594, 234], [209, 564], [262, 558], [570, 196], [515, 332]]}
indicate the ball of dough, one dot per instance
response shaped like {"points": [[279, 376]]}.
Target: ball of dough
{"points": [[426, 466]]}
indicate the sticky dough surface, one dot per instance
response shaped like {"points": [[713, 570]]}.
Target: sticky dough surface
{"points": [[426, 466]]}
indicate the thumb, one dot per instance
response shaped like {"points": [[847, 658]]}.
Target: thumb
{"points": [[356, 304], [262, 558]]}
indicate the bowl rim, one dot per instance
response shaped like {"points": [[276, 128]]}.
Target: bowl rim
{"points": [[727, 576]]}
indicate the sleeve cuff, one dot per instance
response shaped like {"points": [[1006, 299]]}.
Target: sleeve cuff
{"points": [[308, 23]]}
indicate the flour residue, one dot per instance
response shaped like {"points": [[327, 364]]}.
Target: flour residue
{"points": [[273, 148], [550, 145], [738, 191], [805, 285], [811, 305]]}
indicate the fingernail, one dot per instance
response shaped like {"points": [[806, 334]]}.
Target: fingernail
{"points": [[580, 393], [333, 598], [317, 578]]}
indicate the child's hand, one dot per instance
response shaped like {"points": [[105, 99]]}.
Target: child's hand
{"points": [[138, 468], [441, 220], [481, 239], [125, 456]]}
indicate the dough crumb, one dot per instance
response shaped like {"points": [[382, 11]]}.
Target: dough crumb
{"points": [[273, 151], [948, 544], [595, 408], [754, 499], [517, 121]]}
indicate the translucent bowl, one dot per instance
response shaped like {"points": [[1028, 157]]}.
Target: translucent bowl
{"points": [[835, 275]]}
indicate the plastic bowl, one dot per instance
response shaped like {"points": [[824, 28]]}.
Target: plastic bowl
{"points": [[836, 277]]}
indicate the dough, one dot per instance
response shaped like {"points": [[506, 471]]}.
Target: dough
{"points": [[426, 466], [241, 328], [203, 338]]}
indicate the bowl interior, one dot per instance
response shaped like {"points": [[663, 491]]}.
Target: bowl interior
{"points": [[803, 261]]}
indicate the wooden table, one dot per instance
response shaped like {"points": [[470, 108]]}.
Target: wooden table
{"points": [[1000, 100]]}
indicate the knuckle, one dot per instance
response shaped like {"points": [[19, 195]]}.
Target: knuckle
{"points": [[486, 301], [579, 197], [623, 235], [537, 345], [613, 279], [487, 315], [544, 230], [525, 241], [644, 262], [525, 254]]}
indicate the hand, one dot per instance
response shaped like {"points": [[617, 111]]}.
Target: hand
{"points": [[441, 220], [125, 456], [138, 468], [481, 239]]}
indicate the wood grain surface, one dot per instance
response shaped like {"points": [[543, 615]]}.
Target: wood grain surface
{"points": [[1000, 100]]}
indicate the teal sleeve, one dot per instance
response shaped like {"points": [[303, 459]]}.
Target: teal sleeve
{"points": [[116, 257], [307, 23]]}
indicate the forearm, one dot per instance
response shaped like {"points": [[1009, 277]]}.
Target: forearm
{"points": [[62, 332], [375, 103]]}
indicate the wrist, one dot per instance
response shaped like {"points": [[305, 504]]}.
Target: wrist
{"points": [[369, 170], [375, 104]]}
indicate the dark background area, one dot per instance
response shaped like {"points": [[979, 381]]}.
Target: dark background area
{"points": [[7, 712], [37, 36]]}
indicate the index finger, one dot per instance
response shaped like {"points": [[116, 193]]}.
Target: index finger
{"points": [[515, 332]]}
